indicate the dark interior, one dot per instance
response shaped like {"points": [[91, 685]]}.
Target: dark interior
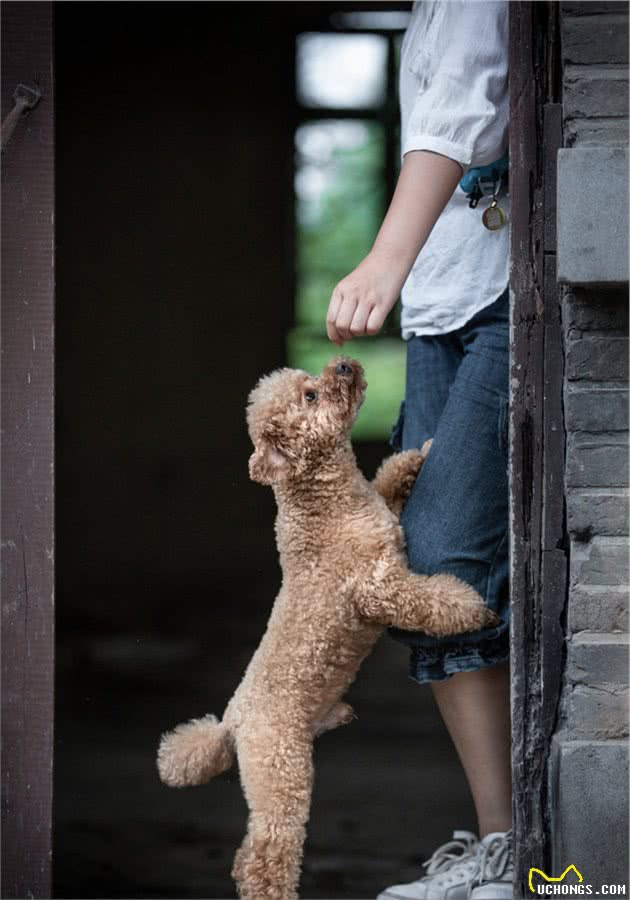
{"points": [[175, 273]]}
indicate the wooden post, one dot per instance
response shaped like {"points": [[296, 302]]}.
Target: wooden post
{"points": [[27, 456], [538, 534]]}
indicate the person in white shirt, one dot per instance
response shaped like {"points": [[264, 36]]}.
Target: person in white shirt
{"points": [[451, 269]]}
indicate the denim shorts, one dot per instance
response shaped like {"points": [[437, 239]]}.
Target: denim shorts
{"points": [[456, 518]]}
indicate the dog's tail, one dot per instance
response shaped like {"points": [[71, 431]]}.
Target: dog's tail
{"points": [[195, 752]]}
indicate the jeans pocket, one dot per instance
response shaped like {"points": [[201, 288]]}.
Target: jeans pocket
{"points": [[504, 426], [396, 437]]}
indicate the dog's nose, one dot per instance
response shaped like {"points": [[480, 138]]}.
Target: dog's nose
{"points": [[343, 369]]}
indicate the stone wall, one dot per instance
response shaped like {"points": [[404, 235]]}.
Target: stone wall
{"points": [[590, 754]]}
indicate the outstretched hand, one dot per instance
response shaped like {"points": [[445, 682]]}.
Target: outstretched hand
{"points": [[361, 301]]}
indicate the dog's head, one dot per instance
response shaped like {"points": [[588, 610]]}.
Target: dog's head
{"points": [[296, 421]]}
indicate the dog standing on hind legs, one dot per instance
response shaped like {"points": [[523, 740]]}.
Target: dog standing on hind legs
{"points": [[345, 579]]}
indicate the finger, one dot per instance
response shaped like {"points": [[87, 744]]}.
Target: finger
{"points": [[344, 317], [360, 318], [331, 316], [375, 320], [333, 335]]}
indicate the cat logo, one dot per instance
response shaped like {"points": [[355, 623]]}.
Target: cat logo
{"points": [[550, 878]]}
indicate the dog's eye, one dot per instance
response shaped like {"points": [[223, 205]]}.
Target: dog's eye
{"points": [[310, 396]]}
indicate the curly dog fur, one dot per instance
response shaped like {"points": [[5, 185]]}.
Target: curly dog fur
{"points": [[345, 579]]}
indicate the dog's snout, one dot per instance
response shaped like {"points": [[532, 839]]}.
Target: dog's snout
{"points": [[343, 368]]}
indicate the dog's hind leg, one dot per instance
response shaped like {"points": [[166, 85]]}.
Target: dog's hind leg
{"points": [[339, 714], [276, 770]]}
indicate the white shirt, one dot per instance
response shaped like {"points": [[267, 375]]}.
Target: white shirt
{"points": [[454, 101]]}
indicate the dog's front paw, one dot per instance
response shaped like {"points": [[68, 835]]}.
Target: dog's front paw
{"points": [[461, 608], [478, 615], [483, 617], [472, 614], [491, 619]]}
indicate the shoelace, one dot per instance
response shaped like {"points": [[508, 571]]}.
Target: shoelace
{"points": [[494, 858], [446, 855]]}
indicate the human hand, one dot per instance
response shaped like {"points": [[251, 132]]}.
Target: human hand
{"points": [[362, 300]]}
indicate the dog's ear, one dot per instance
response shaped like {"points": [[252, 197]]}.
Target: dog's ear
{"points": [[266, 464]]}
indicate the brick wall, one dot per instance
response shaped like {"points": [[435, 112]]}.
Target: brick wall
{"points": [[590, 754]]}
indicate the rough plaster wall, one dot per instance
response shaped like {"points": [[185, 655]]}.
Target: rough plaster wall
{"points": [[590, 759]]}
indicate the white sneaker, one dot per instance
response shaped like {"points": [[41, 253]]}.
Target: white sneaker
{"points": [[449, 873], [493, 880]]}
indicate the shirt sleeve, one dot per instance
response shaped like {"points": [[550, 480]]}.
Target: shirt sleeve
{"points": [[463, 111]]}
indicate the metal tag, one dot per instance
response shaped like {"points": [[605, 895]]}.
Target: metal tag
{"points": [[494, 218]]}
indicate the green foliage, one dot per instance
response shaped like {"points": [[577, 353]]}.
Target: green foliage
{"points": [[335, 230]]}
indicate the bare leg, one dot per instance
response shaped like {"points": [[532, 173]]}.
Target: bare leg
{"points": [[475, 707], [277, 774]]}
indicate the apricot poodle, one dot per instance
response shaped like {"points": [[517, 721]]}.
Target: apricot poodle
{"points": [[345, 579]]}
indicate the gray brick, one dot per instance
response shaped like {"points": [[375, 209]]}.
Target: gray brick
{"points": [[597, 512], [585, 310], [595, 712], [599, 39], [595, 409], [579, 132], [602, 561], [597, 460], [598, 659], [589, 783], [599, 609], [592, 248], [597, 359], [593, 92], [596, 686]]}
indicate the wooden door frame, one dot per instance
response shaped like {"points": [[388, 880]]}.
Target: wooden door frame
{"points": [[28, 287], [539, 548], [539, 553]]}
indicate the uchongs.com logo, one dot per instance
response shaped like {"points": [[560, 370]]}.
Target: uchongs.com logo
{"points": [[570, 883]]}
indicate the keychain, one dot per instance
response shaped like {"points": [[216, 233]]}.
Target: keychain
{"points": [[493, 217]]}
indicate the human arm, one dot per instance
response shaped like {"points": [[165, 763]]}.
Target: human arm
{"points": [[459, 112], [361, 301]]}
